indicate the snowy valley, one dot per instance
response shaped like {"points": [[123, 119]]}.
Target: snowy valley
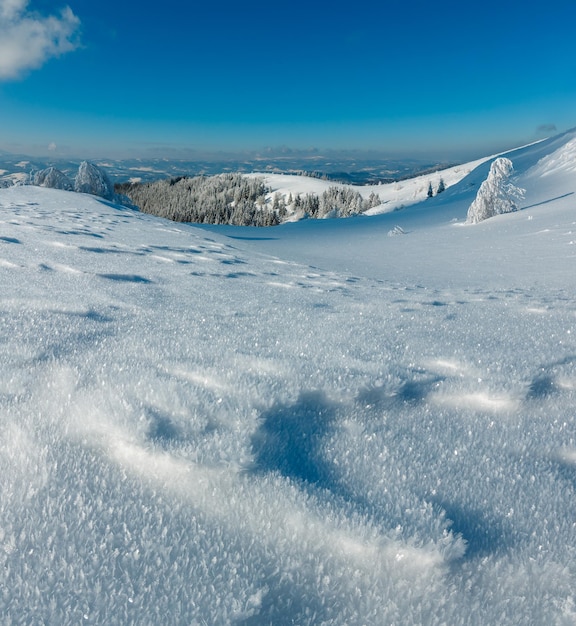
{"points": [[368, 420]]}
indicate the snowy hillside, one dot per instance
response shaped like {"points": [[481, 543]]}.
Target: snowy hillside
{"points": [[405, 193], [394, 196], [313, 424]]}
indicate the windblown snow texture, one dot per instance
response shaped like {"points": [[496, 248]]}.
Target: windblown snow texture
{"points": [[311, 424]]}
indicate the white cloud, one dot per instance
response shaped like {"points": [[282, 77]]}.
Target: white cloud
{"points": [[11, 8], [28, 40]]}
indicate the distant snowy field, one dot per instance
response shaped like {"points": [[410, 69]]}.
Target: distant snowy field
{"points": [[317, 423]]}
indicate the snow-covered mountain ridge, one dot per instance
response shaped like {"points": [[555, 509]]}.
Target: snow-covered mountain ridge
{"points": [[401, 194], [312, 424]]}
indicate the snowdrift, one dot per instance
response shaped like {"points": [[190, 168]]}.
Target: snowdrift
{"points": [[311, 424]]}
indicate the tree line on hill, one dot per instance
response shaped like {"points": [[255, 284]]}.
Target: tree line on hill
{"points": [[247, 201], [239, 200], [234, 199]]}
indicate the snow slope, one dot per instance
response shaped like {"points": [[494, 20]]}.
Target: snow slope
{"points": [[312, 424], [394, 196], [512, 242]]}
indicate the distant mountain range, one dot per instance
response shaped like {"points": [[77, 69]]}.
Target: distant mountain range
{"points": [[337, 167]]}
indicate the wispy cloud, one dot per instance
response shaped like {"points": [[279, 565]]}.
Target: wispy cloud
{"points": [[28, 40], [546, 128]]}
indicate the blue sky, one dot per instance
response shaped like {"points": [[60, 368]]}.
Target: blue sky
{"points": [[451, 79]]}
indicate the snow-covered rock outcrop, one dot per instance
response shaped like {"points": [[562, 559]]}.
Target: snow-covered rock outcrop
{"points": [[91, 179], [53, 178]]}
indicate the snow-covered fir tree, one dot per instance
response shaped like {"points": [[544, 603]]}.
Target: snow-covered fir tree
{"points": [[53, 178], [91, 179], [496, 194], [335, 202]]}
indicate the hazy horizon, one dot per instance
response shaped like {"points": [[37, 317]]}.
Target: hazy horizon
{"points": [[308, 154]]}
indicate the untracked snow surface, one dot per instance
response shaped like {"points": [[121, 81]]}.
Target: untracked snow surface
{"points": [[364, 421]]}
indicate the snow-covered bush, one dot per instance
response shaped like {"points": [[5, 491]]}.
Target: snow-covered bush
{"points": [[496, 194], [91, 179], [53, 178], [397, 230]]}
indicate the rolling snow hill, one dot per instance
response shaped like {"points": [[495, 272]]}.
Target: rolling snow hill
{"points": [[359, 421], [499, 252]]}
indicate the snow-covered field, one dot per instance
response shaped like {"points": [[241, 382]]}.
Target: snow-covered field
{"points": [[317, 423]]}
